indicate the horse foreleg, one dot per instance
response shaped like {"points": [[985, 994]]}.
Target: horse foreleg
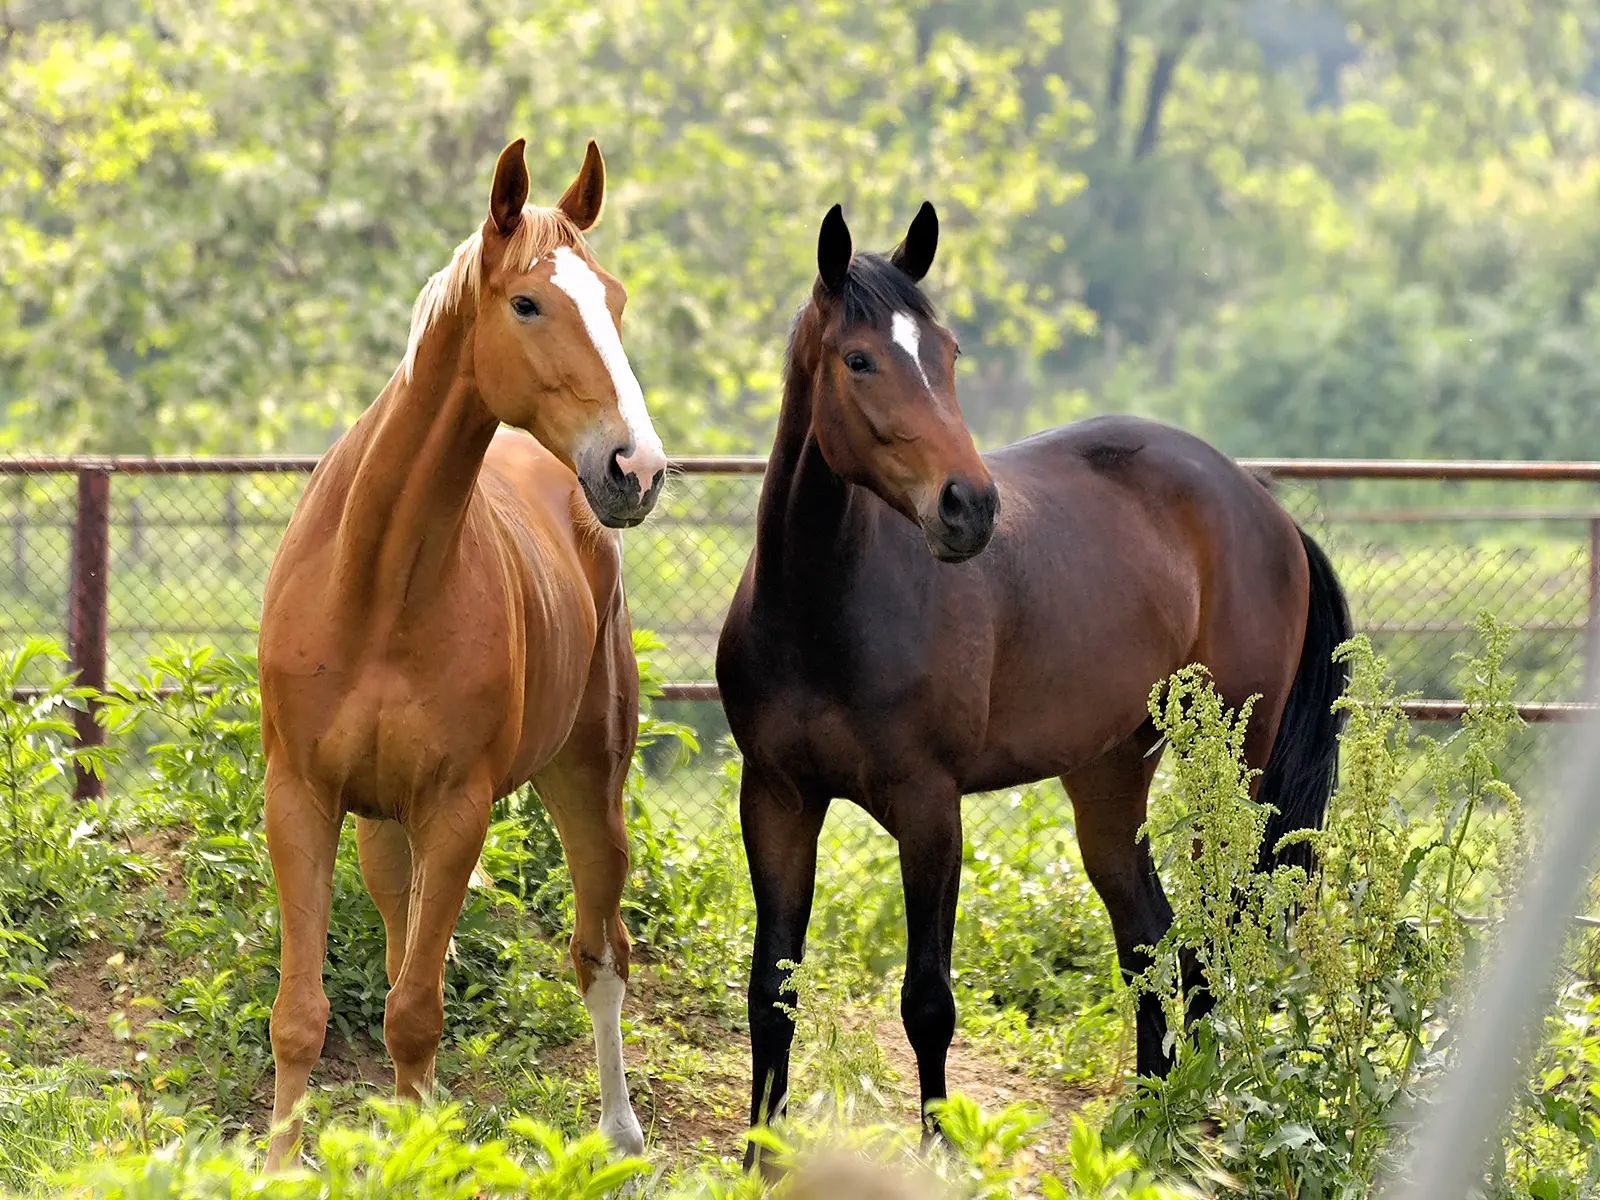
{"points": [[780, 843], [927, 824], [302, 838], [582, 790], [446, 839], [385, 854]]}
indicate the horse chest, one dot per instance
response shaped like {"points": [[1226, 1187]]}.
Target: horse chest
{"points": [[379, 734], [848, 718]]}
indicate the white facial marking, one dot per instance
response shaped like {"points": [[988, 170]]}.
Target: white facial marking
{"points": [[604, 1002], [574, 277], [903, 329]]}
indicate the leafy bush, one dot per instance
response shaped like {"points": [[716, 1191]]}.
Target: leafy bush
{"points": [[59, 875], [409, 1152], [1334, 994]]}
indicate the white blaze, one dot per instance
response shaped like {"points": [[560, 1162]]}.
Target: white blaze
{"points": [[604, 1002], [574, 277], [903, 329]]}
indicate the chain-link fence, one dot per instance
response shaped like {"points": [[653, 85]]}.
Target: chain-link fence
{"points": [[117, 558]]}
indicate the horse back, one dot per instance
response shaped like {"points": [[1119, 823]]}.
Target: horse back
{"points": [[1131, 549]]}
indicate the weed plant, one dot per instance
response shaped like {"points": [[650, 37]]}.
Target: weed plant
{"points": [[1335, 994]]}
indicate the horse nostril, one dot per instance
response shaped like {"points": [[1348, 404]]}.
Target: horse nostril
{"points": [[614, 472], [953, 501], [990, 500]]}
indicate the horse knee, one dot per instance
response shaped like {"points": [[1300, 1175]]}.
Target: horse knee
{"points": [[413, 1022], [928, 1011], [770, 1024], [299, 1025]]}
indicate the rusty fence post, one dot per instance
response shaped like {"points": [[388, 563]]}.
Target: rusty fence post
{"points": [[86, 619]]}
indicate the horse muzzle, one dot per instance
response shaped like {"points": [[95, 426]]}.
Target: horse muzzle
{"points": [[963, 519], [615, 490]]}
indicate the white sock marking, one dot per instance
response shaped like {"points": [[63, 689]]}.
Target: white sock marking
{"points": [[604, 1002], [903, 329], [573, 276]]}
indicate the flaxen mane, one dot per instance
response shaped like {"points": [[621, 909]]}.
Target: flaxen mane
{"points": [[541, 232]]}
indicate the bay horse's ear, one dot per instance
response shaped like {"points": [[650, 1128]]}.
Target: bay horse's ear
{"points": [[915, 255], [510, 190], [833, 250], [583, 200]]}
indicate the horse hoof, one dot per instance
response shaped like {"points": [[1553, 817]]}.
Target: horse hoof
{"points": [[624, 1135], [764, 1162]]}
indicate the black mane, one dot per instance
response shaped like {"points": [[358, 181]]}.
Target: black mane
{"points": [[875, 289]]}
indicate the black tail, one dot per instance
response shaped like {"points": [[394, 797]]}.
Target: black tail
{"points": [[1304, 764]]}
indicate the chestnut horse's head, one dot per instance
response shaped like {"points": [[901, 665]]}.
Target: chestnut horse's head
{"points": [[546, 346], [882, 370]]}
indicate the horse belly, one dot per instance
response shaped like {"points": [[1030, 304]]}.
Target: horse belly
{"points": [[1043, 740]]}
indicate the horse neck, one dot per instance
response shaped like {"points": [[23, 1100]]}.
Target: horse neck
{"points": [[418, 464], [805, 507]]}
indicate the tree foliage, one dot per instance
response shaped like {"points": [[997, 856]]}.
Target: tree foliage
{"points": [[1356, 227]]}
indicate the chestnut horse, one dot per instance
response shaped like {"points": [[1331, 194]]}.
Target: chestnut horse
{"points": [[917, 622], [444, 620]]}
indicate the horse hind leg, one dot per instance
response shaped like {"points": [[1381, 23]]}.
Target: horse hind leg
{"points": [[303, 839], [582, 790], [384, 850], [1109, 801]]}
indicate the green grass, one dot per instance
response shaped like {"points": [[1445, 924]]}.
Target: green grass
{"points": [[138, 948]]}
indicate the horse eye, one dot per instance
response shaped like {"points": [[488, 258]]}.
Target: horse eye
{"points": [[858, 362], [525, 307]]}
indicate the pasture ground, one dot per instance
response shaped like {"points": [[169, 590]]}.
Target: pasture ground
{"points": [[688, 1073], [138, 962], [141, 946]]}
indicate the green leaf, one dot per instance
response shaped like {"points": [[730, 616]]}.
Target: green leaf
{"points": [[1290, 1137]]}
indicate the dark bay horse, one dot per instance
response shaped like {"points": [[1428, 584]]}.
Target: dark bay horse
{"points": [[444, 620], [917, 622]]}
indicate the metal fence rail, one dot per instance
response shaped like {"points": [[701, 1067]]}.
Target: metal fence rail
{"points": [[123, 553]]}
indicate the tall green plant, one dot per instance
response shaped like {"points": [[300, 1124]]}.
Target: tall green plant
{"points": [[1335, 993], [58, 874]]}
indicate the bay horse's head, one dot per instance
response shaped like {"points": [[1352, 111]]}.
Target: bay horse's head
{"points": [[882, 373], [547, 348]]}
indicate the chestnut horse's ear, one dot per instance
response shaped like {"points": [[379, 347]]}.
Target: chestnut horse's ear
{"points": [[583, 200], [915, 255], [833, 250], [510, 190]]}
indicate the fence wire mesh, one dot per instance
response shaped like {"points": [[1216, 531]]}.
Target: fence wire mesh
{"points": [[187, 554]]}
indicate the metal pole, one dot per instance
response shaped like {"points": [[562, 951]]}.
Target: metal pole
{"points": [[230, 519], [1447, 1159], [86, 630], [1591, 678], [19, 551]]}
